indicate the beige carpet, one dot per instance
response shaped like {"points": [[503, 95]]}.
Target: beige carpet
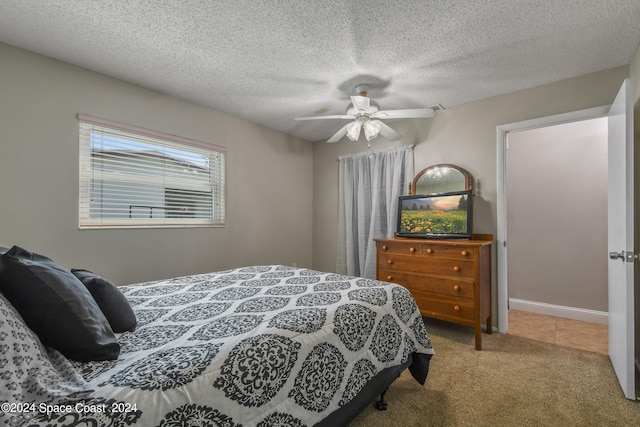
{"points": [[513, 381]]}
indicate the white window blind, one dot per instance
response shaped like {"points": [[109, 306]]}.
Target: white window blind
{"points": [[135, 177]]}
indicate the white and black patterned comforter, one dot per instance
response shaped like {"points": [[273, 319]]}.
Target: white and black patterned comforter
{"points": [[254, 346]]}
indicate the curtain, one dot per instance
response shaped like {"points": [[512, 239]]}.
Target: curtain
{"points": [[369, 186]]}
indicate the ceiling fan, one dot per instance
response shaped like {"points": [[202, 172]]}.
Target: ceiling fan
{"points": [[366, 114]]}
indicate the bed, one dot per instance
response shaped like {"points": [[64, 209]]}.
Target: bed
{"points": [[254, 346]]}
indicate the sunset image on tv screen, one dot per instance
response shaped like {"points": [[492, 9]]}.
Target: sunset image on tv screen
{"points": [[434, 215]]}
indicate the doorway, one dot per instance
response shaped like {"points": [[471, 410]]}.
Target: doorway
{"points": [[541, 255]]}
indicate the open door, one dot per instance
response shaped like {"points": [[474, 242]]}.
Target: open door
{"points": [[622, 255]]}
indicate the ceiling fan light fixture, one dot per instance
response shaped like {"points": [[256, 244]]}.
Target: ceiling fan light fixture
{"points": [[371, 129], [353, 130]]}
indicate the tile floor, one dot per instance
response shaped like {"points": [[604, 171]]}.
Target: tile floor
{"points": [[565, 332]]}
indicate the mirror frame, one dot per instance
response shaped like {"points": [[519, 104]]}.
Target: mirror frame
{"points": [[468, 179]]}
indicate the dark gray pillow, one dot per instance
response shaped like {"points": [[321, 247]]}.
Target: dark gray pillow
{"points": [[56, 306], [110, 299]]}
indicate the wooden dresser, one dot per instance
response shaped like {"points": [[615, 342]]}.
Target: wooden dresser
{"points": [[449, 279]]}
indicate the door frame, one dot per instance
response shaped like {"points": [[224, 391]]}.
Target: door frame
{"points": [[501, 239]]}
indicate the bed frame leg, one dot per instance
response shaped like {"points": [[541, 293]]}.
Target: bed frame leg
{"points": [[381, 405]]}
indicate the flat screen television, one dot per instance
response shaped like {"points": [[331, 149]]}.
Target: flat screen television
{"points": [[436, 216]]}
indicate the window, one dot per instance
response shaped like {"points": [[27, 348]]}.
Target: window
{"points": [[134, 177]]}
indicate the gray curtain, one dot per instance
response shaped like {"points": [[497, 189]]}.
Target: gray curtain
{"points": [[369, 186]]}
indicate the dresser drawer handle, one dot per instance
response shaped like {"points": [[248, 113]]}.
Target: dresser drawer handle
{"points": [[412, 249], [385, 247], [389, 278], [456, 268], [456, 307], [389, 261], [456, 288], [464, 253], [429, 250]]}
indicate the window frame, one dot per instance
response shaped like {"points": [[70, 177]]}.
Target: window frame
{"points": [[216, 177]]}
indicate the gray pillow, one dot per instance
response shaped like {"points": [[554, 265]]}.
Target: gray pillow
{"points": [[56, 306], [110, 299]]}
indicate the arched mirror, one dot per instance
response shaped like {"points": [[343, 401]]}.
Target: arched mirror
{"points": [[441, 178]]}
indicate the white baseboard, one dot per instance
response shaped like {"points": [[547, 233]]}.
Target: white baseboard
{"points": [[593, 316]]}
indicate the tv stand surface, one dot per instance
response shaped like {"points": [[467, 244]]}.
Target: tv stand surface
{"points": [[449, 279]]}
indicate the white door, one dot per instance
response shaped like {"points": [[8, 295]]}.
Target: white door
{"points": [[621, 239]]}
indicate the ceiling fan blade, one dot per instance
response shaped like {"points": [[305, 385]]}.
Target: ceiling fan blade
{"points": [[415, 113], [337, 116], [387, 132], [361, 102], [338, 135]]}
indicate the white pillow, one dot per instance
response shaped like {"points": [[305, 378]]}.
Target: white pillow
{"points": [[29, 372]]}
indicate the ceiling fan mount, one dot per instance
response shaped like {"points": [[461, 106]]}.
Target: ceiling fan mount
{"points": [[366, 115], [362, 90]]}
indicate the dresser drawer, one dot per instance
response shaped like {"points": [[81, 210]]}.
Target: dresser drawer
{"points": [[443, 267], [432, 250], [447, 251], [443, 308], [447, 286], [403, 248]]}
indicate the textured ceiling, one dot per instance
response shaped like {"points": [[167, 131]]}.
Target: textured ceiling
{"points": [[271, 61]]}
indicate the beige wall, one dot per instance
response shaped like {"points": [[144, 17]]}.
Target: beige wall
{"points": [[556, 192], [464, 135], [269, 177]]}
